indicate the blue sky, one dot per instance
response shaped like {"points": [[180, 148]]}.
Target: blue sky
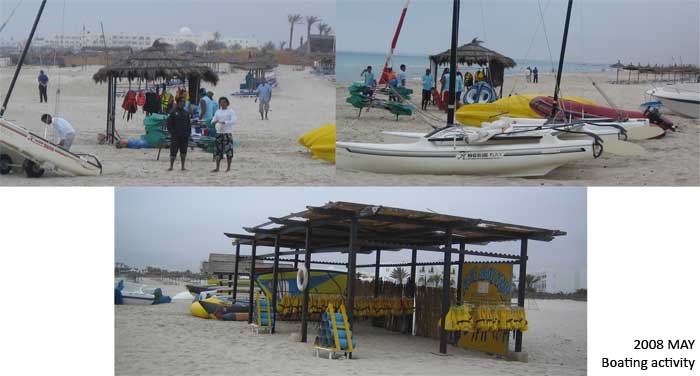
{"points": [[177, 228], [600, 32]]}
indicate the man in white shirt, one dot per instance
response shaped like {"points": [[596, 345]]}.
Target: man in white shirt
{"points": [[401, 75], [65, 134]]}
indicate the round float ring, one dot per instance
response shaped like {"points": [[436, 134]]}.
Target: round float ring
{"points": [[302, 277]]}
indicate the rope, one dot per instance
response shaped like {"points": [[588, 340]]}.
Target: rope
{"points": [[544, 28], [532, 42]]}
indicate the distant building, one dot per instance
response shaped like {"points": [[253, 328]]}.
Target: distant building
{"points": [[137, 41]]}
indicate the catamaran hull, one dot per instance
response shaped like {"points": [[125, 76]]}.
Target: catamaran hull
{"points": [[30, 146], [461, 160], [687, 108]]}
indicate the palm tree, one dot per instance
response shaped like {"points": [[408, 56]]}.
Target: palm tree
{"points": [[327, 30], [269, 46], [435, 278], [282, 44], [399, 274], [530, 281], [310, 20], [321, 26], [293, 20]]}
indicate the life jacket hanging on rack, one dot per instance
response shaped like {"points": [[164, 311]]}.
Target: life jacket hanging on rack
{"points": [[140, 98], [129, 104], [165, 102]]}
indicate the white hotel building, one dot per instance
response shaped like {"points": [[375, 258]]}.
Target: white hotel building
{"points": [[133, 40]]}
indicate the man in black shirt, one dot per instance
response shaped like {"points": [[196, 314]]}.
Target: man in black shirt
{"points": [[179, 127]]}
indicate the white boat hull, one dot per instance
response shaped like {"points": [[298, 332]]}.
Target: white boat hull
{"points": [[506, 159], [137, 299], [21, 142], [683, 102]]}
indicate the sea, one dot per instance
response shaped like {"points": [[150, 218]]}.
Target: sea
{"points": [[349, 65]]}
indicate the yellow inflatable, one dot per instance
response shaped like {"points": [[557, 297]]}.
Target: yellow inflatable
{"points": [[514, 106], [321, 142], [205, 308]]}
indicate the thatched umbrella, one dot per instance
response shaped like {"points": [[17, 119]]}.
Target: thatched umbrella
{"points": [[617, 66], [474, 53], [630, 67], [159, 62]]}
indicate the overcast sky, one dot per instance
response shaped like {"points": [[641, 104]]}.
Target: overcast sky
{"points": [[263, 19], [602, 31], [177, 228]]}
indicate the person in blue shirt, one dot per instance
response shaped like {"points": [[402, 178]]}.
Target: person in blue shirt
{"points": [[459, 86], [264, 97], [427, 89], [369, 80], [43, 86]]}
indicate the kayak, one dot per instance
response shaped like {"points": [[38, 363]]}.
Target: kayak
{"points": [[517, 106]]}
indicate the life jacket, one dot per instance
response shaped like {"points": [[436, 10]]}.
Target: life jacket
{"points": [[140, 98], [129, 104], [479, 76], [165, 101], [152, 105]]}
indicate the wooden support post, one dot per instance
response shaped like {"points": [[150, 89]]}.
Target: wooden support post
{"points": [[235, 272], [352, 262], [460, 269], [305, 295], [296, 259], [251, 298], [445, 290], [414, 257], [275, 268], [376, 274], [521, 289]]}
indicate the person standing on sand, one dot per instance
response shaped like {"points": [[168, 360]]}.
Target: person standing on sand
{"points": [[264, 97], [534, 75], [459, 86], [43, 87], [401, 76], [179, 126], [223, 120], [528, 75], [427, 89], [65, 134], [468, 80], [369, 80]]}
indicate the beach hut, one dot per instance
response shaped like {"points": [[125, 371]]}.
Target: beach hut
{"points": [[353, 228], [630, 67], [158, 62], [474, 53]]}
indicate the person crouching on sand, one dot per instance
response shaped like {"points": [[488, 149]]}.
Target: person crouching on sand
{"points": [[65, 134], [223, 120], [264, 97], [180, 126]]}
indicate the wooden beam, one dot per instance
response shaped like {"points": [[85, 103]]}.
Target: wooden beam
{"points": [[376, 273], [235, 272], [445, 292], [305, 295], [521, 290], [352, 264], [460, 269], [275, 271], [251, 290]]}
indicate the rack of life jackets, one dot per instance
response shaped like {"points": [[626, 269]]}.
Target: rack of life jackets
{"points": [[152, 99]]}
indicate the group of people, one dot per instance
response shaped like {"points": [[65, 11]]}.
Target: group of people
{"points": [[462, 83], [217, 116], [393, 79], [219, 119], [531, 75]]}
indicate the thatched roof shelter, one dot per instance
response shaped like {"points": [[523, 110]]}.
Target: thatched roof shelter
{"points": [[260, 61], [474, 53], [159, 62], [617, 65]]}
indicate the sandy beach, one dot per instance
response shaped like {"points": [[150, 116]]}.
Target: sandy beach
{"points": [[167, 340], [268, 153], [671, 161]]}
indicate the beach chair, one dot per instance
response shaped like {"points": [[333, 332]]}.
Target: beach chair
{"points": [[334, 336], [264, 315]]}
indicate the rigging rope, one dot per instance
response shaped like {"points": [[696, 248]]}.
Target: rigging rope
{"points": [[544, 28], [57, 99], [532, 42], [10, 16]]}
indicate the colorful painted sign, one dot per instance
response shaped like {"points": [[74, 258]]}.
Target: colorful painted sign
{"points": [[320, 282], [486, 284]]}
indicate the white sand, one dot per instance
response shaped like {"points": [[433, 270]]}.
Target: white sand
{"points": [[671, 161], [167, 340], [268, 154]]}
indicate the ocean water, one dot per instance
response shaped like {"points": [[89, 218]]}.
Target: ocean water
{"points": [[349, 65]]}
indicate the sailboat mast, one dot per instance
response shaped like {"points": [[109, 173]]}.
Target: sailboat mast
{"points": [[453, 65], [390, 53], [555, 106], [21, 59]]}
